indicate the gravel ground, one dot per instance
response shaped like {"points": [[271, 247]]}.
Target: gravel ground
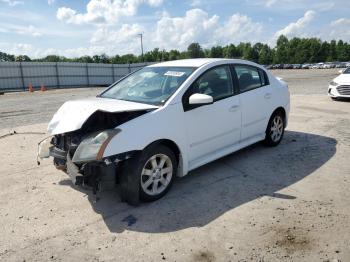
{"points": [[290, 203]]}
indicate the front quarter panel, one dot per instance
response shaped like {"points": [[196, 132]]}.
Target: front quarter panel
{"points": [[137, 134]]}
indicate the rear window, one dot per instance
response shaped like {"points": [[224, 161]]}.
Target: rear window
{"points": [[250, 77]]}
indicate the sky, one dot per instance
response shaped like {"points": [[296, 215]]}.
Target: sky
{"points": [[87, 27]]}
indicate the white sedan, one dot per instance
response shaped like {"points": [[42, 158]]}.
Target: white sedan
{"points": [[164, 121], [339, 87]]}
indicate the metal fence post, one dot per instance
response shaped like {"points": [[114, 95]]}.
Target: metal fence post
{"points": [[113, 75], [87, 74], [129, 67], [22, 77], [57, 75]]}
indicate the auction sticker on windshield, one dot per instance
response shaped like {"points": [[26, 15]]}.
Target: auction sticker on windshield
{"points": [[174, 73]]}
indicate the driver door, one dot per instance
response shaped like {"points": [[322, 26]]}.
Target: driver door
{"points": [[214, 127]]}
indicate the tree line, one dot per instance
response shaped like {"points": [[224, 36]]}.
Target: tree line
{"points": [[287, 51]]}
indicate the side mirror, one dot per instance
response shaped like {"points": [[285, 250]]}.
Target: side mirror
{"points": [[200, 99], [341, 71]]}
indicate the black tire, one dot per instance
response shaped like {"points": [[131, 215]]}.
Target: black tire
{"points": [[270, 140], [334, 98], [132, 177]]}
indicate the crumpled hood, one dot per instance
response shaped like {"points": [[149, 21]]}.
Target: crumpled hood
{"points": [[72, 114], [343, 79]]}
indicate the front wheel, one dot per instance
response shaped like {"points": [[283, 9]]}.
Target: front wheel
{"points": [[275, 129], [149, 175]]}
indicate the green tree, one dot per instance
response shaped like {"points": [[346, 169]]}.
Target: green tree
{"points": [[52, 58], [174, 55], [4, 57], [342, 50], [231, 51], [22, 58], [216, 52], [281, 55], [332, 56], [265, 55], [84, 59], [194, 50]]}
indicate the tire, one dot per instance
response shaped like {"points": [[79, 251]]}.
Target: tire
{"points": [[334, 98], [143, 177], [275, 129]]}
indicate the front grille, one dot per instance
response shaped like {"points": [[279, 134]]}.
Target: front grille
{"points": [[344, 90]]}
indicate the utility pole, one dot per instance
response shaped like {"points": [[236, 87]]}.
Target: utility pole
{"points": [[141, 46]]}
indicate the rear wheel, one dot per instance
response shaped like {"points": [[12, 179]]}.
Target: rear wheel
{"points": [[275, 129]]}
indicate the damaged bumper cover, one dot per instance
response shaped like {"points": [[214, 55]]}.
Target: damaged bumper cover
{"points": [[98, 174]]}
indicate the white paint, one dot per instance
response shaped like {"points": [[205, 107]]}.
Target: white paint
{"points": [[73, 114], [202, 134], [343, 79]]}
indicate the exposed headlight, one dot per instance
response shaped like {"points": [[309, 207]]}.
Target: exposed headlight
{"points": [[93, 146], [333, 83]]}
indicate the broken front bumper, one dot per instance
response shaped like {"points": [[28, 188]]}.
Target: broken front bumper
{"points": [[98, 175]]}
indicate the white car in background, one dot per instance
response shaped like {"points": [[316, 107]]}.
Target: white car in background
{"points": [[339, 87], [164, 121]]}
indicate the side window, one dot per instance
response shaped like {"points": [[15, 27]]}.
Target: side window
{"points": [[249, 77], [215, 82], [264, 78]]}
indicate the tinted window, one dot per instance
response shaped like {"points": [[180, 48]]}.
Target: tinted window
{"points": [[250, 77], [215, 82], [264, 78]]}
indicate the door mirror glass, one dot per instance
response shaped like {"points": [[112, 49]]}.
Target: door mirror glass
{"points": [[200, 99]]}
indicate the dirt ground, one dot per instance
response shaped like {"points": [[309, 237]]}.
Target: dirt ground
{"points": [[289, 203]]}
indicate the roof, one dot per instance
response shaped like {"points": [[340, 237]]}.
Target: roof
{"points": [[198, 62]]}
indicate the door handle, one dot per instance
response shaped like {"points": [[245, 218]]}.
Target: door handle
{"points": [[234, 108], [267, 95]]}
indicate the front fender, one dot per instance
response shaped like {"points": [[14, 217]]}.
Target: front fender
{"points": [[163, 123]]}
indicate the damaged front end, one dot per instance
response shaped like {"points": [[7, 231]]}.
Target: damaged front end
{"points": [[81, 157], [80, 153]]}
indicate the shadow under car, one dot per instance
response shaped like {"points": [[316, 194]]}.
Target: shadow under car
{"points": [[216, 188]]}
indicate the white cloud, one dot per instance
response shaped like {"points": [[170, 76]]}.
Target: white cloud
{"points": [[177, 32], [339, 29], [126, 34], [288, 5], [103, 11], [341, 22], [298, 28], [29, 30], [269, 3], [198, 26], [196, 3], [12, 2], [239, 28]]}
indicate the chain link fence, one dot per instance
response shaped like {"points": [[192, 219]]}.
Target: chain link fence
{"points": [[17, 76]]}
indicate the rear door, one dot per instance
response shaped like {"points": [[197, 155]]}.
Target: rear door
{"points": [[255, 96]]}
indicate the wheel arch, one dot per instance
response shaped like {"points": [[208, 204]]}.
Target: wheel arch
{"points": [[284, 113], [172, 146]]}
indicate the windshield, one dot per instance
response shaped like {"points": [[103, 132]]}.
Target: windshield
{"points": [[346, 71], [150, 85]]}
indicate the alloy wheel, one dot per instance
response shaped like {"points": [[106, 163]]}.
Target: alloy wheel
{"points": [[156, 174], [276, 130]]}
